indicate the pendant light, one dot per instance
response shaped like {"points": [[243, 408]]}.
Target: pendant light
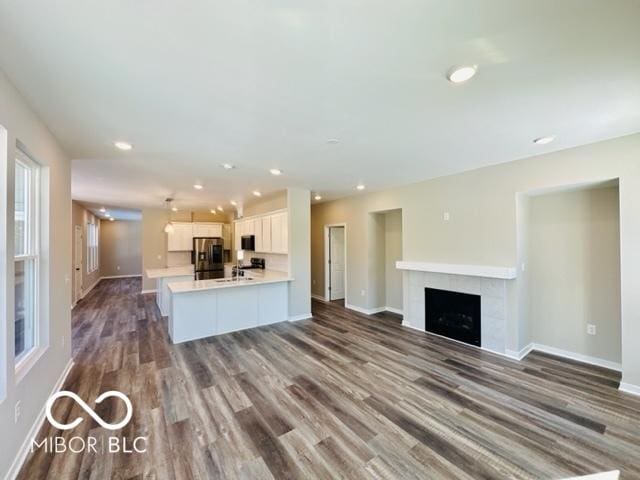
{"points": [[168, 228]]}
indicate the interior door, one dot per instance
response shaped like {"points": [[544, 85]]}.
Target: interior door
{"points": [[77, 264], [336, 263]]}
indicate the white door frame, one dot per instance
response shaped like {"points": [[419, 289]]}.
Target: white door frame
{"points": [[327, 269]]}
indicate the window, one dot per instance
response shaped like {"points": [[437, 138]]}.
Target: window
{"points": [[92, 247], [26, 256]]}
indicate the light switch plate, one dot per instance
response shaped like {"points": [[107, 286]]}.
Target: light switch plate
{"points": [[591, 329], [446, 216]]}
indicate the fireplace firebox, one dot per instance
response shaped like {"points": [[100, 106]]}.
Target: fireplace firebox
{"points": [[453, 314]]}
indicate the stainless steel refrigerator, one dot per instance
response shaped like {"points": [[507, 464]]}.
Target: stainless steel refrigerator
{"points": [[208, 257]]}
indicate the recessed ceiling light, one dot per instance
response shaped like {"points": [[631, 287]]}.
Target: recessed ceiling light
{"points": [[111, 219], [174, 209], [220, 209], [275, 171], [317, 197], [544, 140], [123, 145], [461, 74], [197, 186], [233, 202], [103, 209], [213, 210], [227, 166], [257, 193], [333, 141], [107, 214], [360, 186]]}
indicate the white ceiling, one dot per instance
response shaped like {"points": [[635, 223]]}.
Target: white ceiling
{"points": [[264, 84], [118, 213]]}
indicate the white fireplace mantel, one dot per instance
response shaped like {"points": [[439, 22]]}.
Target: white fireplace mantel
{"points": [[487, 271]]}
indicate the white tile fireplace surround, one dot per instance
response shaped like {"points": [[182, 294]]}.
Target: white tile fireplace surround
{"points": [[491, 283]]}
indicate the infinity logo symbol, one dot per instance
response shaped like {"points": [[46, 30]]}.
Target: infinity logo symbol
{"points": [[89, 410]]}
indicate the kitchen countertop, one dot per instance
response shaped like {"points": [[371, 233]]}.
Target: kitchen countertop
{"points": [[170, 271], [259, 277]]}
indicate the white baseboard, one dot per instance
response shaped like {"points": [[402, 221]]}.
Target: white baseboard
{"points": [[319, 297], [85, 292], [23, 452], [519, 354], [629, 388], [153, 290], [304, 316], [397, 311], [577, 357], [120, 276]]}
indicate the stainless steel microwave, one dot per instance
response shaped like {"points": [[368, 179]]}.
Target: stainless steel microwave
{"points": [[248, 242]]}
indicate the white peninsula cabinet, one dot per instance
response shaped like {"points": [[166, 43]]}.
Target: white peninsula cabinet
{"points": [[271, 232]]}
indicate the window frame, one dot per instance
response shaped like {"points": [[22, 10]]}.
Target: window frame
{"points": [[93, 244], [31, 255]]}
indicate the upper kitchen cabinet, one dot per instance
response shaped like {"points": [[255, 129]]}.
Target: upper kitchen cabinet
{"points": [[279, 233], [207, 230], [181, 239]]}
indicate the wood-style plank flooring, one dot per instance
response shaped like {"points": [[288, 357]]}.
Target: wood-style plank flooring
{"points": [[341, 396]]}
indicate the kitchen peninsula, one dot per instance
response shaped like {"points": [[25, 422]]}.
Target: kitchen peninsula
{"points": [[203, 308]]}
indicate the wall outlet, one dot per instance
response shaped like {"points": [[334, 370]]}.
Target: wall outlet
{"points": [[313, 281], [118, 267], [446, 216], [523, 266], [591, 329], [17, 411], [159, 257], [362, 293]]}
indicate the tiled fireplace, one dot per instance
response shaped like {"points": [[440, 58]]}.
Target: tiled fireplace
{"points": [[491, 284]]}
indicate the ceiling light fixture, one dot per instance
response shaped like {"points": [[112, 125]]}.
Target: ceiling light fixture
{"points": [[227, 166], [197, 186], [233, 202], [333, 141], [275, 171], [213, 210], [257, 193], [461, 74], [174, 209], [107, 214], [103, 209], [111, 219], [544, 140], [317, 197], [360, 186], [123, 146], [220, 209]]}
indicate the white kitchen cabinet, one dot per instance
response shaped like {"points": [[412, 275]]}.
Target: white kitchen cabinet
{"points": [[279, 233], [237, 235], [181, 239], [263, 234], [207, 230]]}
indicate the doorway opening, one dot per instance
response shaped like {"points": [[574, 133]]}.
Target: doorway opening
{"points": [[77, 265], [335, 262]]}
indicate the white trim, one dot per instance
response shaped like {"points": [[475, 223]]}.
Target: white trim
{"points": [[86, 292], [397, 311], [28, 361], [366, 311], [21, 456], [121, 276], [578, 357], [519, 354], [327, 271], [629, 388], [153, 290], [319, 297], [505, 273], [297, 318]]}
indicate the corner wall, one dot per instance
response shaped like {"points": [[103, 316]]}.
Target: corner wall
{"points": [[33, 390], [121, 248], [154, 243], [299, 216]]}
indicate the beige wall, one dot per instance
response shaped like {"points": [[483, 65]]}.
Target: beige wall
{"points": [[121, 248], [275, 201], [393, 253], [574, 272], [482, 227], [81, 217], [154, 242], [23, 125], [299, 216]]}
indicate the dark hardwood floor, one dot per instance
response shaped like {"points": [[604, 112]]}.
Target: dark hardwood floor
{"points": [[340, 396]]}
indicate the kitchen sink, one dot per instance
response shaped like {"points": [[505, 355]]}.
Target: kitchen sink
{"points": [[228, 280]]}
